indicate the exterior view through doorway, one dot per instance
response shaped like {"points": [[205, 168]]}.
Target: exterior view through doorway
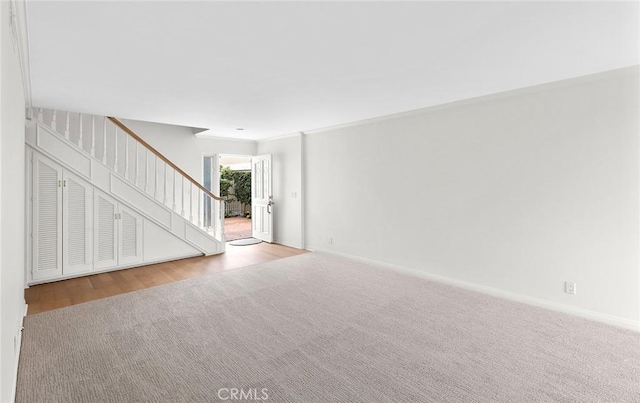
{"points": [[245, 183], [235, 187]]}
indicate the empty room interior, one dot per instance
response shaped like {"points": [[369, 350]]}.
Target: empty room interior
{"points": [[311, 201]]}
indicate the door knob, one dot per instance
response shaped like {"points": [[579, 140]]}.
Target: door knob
{"points": [[269, 204]]}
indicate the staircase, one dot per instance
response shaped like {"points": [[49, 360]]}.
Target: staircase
{"points": [[101, 198]]}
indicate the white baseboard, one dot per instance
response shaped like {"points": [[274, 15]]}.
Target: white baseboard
{"points": [[123, 267], [19, 347], [289, 244], [496, 292]]}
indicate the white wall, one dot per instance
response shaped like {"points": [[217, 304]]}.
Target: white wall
{"points": [[287, 188], [183, 148], [519, 192], [12, 108]]}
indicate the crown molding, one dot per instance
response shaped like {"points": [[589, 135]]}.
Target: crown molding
{"points": [[280, 137], [628, 70], [220, 138]]}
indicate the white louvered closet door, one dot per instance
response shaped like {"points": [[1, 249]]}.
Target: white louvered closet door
{"points": [[105, 231], [77, 220], [47, 222], [129, 236]]}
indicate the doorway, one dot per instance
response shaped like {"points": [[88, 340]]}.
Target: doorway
{"points": [[235, 188]]}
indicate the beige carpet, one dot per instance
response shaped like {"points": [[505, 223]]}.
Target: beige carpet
{"points": [[317, 328]]}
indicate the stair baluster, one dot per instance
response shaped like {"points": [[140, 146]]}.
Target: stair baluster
{"points": [[104, 141], [190, 201], [93, 135], [146, 170], [115, 151], [80, 131], [182, 197], [66, 130], [219, 234], [155, 179], [53, 120], [164, 180], [199, 211], [174, 191], [126, 157], [137, 166]]}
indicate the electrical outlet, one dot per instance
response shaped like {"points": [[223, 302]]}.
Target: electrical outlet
{"points": [[570, 287]]}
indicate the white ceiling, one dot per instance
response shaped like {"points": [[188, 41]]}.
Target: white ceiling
{"points": [[279, 68]]}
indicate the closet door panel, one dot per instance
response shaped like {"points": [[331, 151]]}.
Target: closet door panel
{"points": [[105, 233], [130, 237], [77, 219], [47, 218]]}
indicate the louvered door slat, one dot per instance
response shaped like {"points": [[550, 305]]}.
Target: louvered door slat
{"points": [[105, 232], [47, 228], [77, 217], [129, 238], [130, 231]]}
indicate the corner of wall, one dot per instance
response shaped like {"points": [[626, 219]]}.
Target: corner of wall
{"points": [[14, 98], [505, 196], [495, 292], [18, 348]]}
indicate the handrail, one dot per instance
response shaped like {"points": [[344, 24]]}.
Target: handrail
{"points": [[162, 157]]}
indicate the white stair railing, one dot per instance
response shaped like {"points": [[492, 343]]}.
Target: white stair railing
{"points": [[120, 149]]}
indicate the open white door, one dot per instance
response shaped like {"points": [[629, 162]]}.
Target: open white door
{"points": [[262, 199]]}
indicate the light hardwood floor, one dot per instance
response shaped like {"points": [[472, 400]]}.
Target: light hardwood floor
{"points": [[45, 297]]}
